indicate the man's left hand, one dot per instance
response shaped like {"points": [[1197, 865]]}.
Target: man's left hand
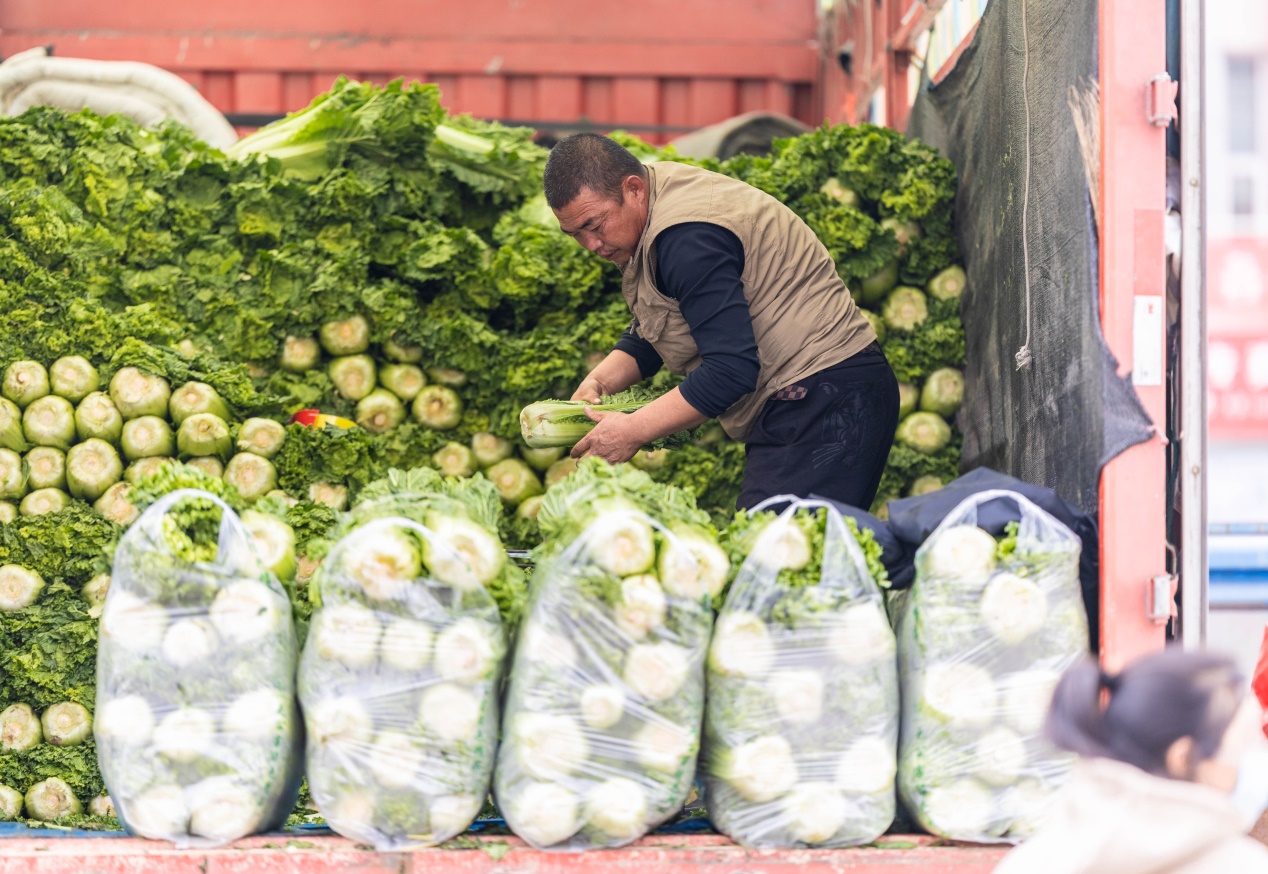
{"points": [[612, 439]]}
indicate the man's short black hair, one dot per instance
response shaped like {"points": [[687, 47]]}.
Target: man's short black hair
{"points": [[588, 161]]}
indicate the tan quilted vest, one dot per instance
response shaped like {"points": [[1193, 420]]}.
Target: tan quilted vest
{"points": [[804, 319]]}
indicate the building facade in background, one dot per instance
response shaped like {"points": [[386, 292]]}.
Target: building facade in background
{"points": [[1237, 258]]}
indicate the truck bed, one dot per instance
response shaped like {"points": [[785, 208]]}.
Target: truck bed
{"points": [[284, 854]]}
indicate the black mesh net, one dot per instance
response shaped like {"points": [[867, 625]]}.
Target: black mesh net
{"points": [[1001, 115]]}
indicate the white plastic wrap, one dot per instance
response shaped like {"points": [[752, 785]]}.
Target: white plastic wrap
{"points": [[983, 639], [603, 713], [197, 726], [801, 724], [399, 685]]}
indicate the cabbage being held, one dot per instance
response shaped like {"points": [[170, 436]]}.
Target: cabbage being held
{"points": [[988, 627]]}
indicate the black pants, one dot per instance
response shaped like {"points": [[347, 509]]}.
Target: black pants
{"points": [[833, 442]]}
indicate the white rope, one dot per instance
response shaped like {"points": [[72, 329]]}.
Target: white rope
{"points": [[1023, 354]]}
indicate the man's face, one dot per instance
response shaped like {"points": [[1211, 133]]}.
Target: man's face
{"points": [[609, 228]]}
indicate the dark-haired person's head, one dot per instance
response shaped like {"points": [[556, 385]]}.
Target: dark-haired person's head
{"points": [[599, 192], [1175, 714]]}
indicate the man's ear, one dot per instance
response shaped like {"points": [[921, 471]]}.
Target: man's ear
{"points": [[635, 188], [1180, 762]]}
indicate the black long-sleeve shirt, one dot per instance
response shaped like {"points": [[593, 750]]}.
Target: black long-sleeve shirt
{"points": [[700, 265]]}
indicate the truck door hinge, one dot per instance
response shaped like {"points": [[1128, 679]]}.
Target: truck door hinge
{"points": [[1161, 601], [1160, 100]]}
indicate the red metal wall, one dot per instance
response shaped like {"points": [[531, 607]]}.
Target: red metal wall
{"points": [[647, 65]]}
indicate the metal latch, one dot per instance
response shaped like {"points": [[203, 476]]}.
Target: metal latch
{"points": [[1161, 604], [1160, 100]]}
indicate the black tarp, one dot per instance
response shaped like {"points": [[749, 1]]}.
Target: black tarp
{"points": [[1003, 113]]}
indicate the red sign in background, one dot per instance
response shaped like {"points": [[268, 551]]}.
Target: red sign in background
{"points": [[1237, 322]]}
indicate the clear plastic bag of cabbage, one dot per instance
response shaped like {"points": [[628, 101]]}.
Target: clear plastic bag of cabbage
{"points": [[399, 679], [990, 625], [801, 724], [423, 495], [606, 696], [197, 726]]}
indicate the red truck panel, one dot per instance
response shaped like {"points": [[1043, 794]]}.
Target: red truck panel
{"points": [[664, 66]]}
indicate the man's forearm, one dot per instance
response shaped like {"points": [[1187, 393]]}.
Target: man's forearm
{"points": [[668, 414]]}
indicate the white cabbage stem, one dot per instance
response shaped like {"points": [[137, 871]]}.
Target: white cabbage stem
{"points": [[128, 721], [815, 812], [783, 545], [602, 705], [465, 652], [655, 671], [798, 695], [188, 642], [621, 543], [185, 734], [259, 715], [962, 554], [223, 809], [543, 646], [548, 746], [384, 565], [958, 693], [763, 769], [663, 746], [862, 634], [1013, 608], [246, 611], [66, 724], [618, 807], [1027, 695], [406, 644], [340, 722], [159, 813], [20, 729], [451, 712], [642, 606], [741, 646], [11, 802], [692, 565], [19, 587], [453, 814], [394, 759], [963, 809], [545, 814], [346, 633], [464, 555], [867, 767], [352, 812], [999, 757]]}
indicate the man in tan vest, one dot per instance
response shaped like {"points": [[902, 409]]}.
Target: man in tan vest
{"points": [[728, 286]]}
